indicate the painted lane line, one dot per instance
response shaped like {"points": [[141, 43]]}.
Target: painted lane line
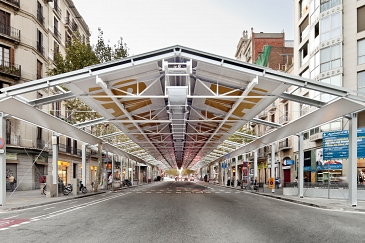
{"points": [[48, 208], [12, 217]]}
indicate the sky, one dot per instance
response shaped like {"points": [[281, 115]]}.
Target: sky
{"points": [[213, 26]]}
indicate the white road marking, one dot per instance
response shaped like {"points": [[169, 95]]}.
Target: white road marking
{"points": [[48, 208], [11, 217]]}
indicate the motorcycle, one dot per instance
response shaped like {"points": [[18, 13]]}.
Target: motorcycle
{"points": [[83, 188], [68, 189], [126, 182]]}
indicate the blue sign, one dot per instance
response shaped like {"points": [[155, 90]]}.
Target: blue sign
{"points": [[336, 144], [288, 162], [224, 165]]}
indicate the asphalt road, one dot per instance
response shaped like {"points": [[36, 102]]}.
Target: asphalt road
{"points": [[180, 212]]}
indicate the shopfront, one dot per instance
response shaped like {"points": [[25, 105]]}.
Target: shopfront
{"points": [[63, 171]]}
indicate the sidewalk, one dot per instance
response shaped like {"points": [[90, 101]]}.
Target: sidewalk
{"points": [[33, 198], [326, 203]]}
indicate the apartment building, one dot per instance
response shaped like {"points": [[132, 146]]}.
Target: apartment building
{"points": [[329, 46], [273, 51], [31, 32]]}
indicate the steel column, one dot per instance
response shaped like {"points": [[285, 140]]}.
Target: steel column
{"points": [[353, 160]]}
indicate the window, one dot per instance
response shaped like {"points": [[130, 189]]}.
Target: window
{"points": [[40, 48], [333, 126], [314, 131], [8, 131], [330, 58], [305, 135], [68, 145], [304, 54], [39, 69], [75, 147], [361, 19], [4, 22], [335, 80], [330, 27], [303, 7], [55, 29], [40, 13], [314, 65], [327, 4], [361, 51], [56, 50], [304, 29], [361, 82], [4, 56]]}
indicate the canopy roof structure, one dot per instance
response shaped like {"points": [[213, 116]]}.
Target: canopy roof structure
{"points": [[178, 104]]}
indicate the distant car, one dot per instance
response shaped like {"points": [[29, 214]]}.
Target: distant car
{"points": [[191, 178], [185, 179]]}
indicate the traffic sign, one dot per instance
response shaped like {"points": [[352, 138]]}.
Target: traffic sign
{"points": [[271, 182]]}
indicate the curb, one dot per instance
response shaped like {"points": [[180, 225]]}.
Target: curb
{"points": [[52, 202]]}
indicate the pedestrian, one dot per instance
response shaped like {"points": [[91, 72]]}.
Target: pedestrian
{"points": [[296, 182], [110, 181], [12, 181]]}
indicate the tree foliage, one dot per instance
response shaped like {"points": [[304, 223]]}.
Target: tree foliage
{"points": [[77, 56]]}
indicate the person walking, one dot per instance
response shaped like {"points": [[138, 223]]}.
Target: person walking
{"points": [[11, 180], [110, 181]]}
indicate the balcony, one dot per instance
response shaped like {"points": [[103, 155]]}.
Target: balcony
{"points": [[40, 144], [40, 17], [57, 10], [284, 119], [272, 107], [10, 69], [14, 3], [10, 32], [40, 48], [285, 144], [263, 114], [57, 33], [315, 137]]}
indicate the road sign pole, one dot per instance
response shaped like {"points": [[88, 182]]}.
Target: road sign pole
{"points": [[273, 164]]}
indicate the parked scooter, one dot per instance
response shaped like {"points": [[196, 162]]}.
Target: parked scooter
{"points": [[126, 182], [83, 188], [68, 189]]}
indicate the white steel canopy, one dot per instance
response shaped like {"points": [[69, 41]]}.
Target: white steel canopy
{"points": [[177, 103]]}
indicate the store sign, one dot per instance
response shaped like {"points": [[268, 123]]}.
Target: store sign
{"points": [[288, 162], [11, 156], [336, 144]]}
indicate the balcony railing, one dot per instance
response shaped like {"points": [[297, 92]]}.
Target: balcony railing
{"points": [[10, 69], [56, 32], [14, 2], [58, 10], [10, 31], [283, 119], [285, 144], [40, 17], [40, 48], [69, 149], [40, 144]]}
